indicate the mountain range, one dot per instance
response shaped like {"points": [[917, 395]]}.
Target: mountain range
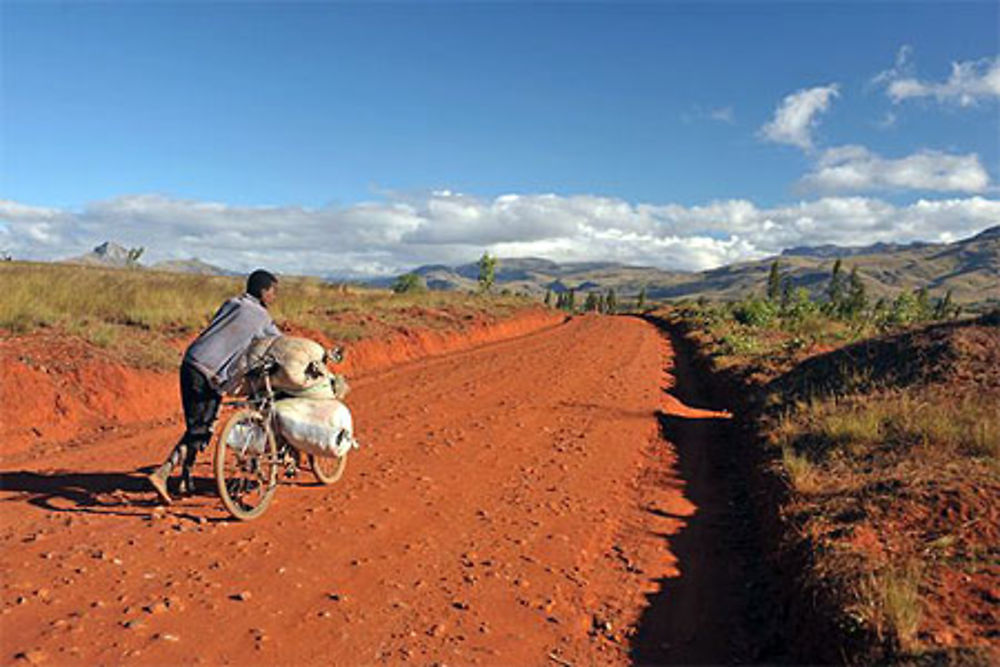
{"points": [[970, 268]]}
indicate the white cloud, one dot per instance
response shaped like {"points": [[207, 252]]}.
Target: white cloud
{"points": [[857, 169], [724, 115], [387, 237], [720, 115], [969, 83], [795, 118], [902, 68]]}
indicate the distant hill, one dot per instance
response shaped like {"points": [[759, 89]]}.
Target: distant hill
{"points": [[108, 254], [112, 255], [193, 265], [533, 275], [970, 268], [833, 251]]}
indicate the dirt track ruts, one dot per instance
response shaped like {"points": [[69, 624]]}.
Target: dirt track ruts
{"points": [[516, 504]]}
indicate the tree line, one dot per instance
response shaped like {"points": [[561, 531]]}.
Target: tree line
{"points": [[845, 298]]}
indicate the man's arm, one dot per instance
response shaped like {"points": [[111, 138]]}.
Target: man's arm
{"points": [[271, 330]]}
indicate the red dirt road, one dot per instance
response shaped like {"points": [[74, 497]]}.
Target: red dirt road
{"points": [[511, 504]]}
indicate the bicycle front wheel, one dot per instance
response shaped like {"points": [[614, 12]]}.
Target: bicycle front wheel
{"points": [[246, 465]]}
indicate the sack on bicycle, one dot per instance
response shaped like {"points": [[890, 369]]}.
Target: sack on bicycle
{"points": [[300, 368], [317, 427]]}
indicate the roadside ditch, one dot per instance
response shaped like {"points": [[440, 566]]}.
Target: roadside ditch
{"points": [[769, 611]]}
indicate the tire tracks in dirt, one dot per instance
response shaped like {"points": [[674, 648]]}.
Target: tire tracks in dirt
{"points": [[515, 503]]}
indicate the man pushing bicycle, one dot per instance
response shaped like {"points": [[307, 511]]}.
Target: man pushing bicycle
{"points": [[207, 369]]}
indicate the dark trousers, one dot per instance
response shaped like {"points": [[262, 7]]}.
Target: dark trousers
{"points": [[201, 405]]}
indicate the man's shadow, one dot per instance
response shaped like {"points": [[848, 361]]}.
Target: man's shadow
{"points": [[112, 492]]}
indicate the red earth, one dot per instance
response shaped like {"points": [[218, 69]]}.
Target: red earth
{"points": [[533, 500]]}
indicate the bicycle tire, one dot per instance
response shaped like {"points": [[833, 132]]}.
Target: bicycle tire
{"points": [[328, 469], [247, 479]]}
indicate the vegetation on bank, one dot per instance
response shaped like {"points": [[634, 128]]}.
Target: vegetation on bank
{"points": [[770, 332], [117, 307], [884, 421]]}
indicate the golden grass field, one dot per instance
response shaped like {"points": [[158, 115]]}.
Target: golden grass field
{"points": [[120, 307]]}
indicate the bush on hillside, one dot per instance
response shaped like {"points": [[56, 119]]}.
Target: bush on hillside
{"points": [[409, 283]]}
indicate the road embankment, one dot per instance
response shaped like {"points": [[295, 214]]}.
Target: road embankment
{"points": [[57, 389]]}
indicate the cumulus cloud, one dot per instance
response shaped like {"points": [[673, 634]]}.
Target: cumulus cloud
{"points": [[389, 237], [969, 83], [857, 169], [796, 116]]}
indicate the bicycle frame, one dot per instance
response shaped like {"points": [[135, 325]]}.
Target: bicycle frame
{"points": [[262, 399]]}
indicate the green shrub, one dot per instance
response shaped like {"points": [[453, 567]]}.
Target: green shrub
{"points": [[409, 283], [755, 312]]}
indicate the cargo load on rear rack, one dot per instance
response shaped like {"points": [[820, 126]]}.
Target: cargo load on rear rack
{"points": [[300, 369], [300, 362], [318, 427]]}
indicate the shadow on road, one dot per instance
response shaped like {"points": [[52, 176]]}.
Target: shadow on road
{"points": [[697, 616], [90, 492]]}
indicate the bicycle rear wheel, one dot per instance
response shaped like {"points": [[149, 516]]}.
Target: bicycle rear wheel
{"points": [[328, 469], [246, 465]]}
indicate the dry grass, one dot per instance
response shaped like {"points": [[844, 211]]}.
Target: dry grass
{"points": [[923, 424], [802, 474], [111, 307], [889, 601], [75, 297]]}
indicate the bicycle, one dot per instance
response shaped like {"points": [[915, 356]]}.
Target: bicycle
{"points": [[250, 451]]}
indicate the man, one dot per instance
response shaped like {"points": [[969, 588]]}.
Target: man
{"points": [[206, 372]]}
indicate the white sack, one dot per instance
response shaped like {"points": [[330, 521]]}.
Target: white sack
{"points": [[300, 361], [319, 427]]}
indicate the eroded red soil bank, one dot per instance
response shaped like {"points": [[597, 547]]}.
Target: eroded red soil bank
{"points": [[55, 388]]}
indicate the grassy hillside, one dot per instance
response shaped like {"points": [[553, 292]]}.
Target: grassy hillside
{"points": [[145, 310]]}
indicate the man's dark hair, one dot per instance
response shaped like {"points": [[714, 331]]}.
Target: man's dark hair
{"points": [[259, 281]]}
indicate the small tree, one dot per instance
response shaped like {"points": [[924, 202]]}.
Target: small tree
{"points": [[924, 309], [905, 309], [944, 308], [132, 258], [571, 301], [856, 300], [835, 290], [611, 301], [548, 297], [800, 306], [409, 283], [786, 295], [590, 303], [774, 282], [487, 271], [640, 302], [881, 312]]}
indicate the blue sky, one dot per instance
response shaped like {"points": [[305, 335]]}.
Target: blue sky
{"points": [[364, 138]]}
